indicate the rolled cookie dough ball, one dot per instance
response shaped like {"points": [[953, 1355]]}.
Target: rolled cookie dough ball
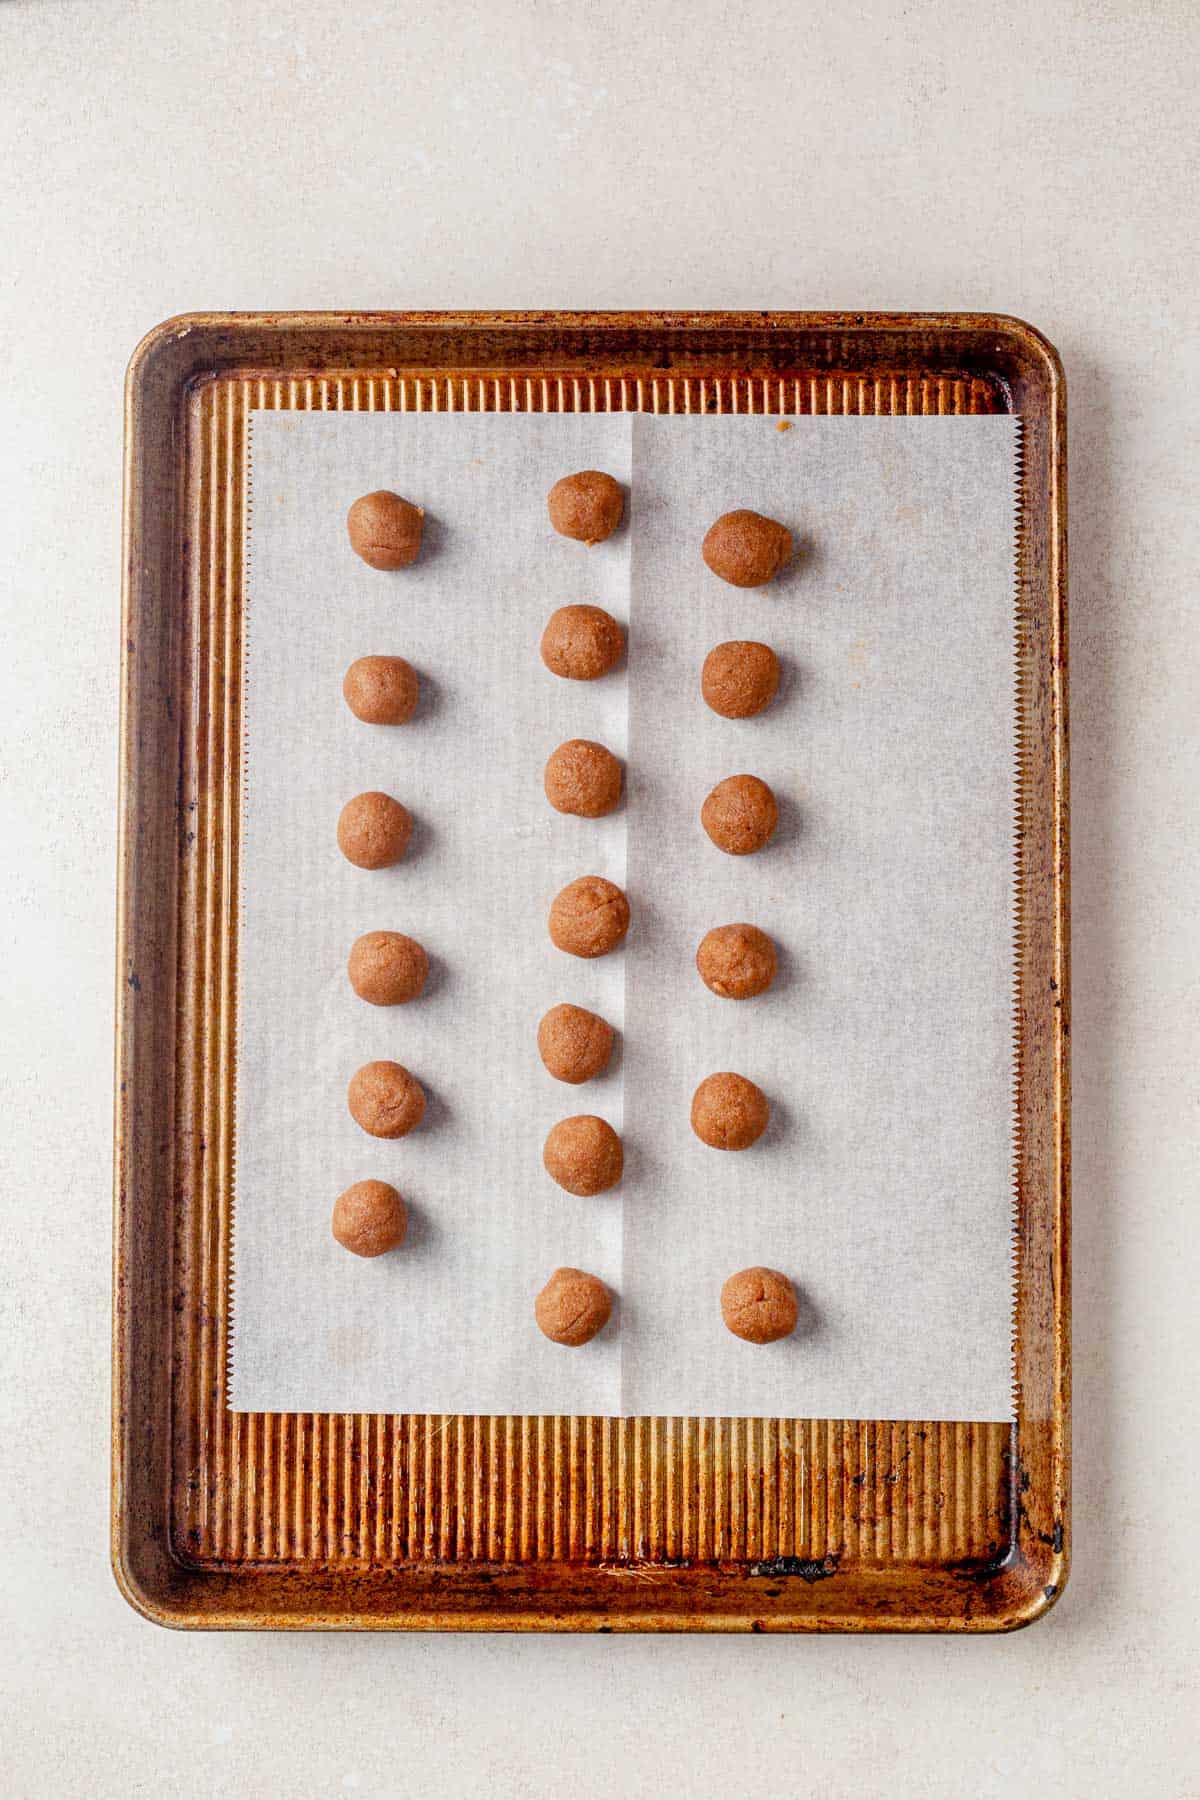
{"points": [[574, 1044], [740, 815], [584, 1155], [759, 1305], [386, 1100], [572, 1307], [369, 1218], [587, 506], [736, 961], [381, 690], [373, 830], [385, 530], [387, 968], [729, 1112], [588, 917], [583, 778], [745, 549], [581, 643], [740, 679]]}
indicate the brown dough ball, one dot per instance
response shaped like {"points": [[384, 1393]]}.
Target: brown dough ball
{"points": [[759, 1305], [572, 1307], [574, 1044], [739, 679], [584, 1155], [370, 1218], [588, 917], [381, 690], [729, 1112], [745, 549], [581, 643], [387, 968], [386, 1100], [373, 830], [583, 778], [740, 815], [385, 530], [736, 961], [587, 506]]}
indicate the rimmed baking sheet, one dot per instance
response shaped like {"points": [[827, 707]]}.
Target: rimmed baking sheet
{"points": [[382, 1521]]}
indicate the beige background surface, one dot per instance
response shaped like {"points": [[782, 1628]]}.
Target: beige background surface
{"points": [[1036, 158]]}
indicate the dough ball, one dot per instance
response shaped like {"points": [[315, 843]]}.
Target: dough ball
{"points": [[736, 961], [584, 1155], [369, 1218], [381, 690], [587, 506], [740, 678], [759, 1305], [745, 549], [385, 530], [729, 1112], [387, 968], [574, 1044], [386, 1100], [572, 1307], [582, 642], [583, 778], [740, 815], [588, 917], [373, 831]]}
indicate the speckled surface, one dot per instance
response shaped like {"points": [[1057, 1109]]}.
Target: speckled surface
{"points": [[1040, 161]]}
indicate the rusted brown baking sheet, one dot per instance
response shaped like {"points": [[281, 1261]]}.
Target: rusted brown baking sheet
{"points": [[308, 1521]]}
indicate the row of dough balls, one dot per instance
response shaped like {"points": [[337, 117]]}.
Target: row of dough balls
{"points": [[759, 1305], [740, 678], [742, 547], [589, 917], [739, 816], [373, 832]]}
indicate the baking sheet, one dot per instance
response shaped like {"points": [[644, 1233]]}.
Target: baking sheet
{"points": [[884, 1186]]}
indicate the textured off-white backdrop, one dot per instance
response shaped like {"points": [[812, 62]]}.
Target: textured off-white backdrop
{"points": [[1035, 158]]}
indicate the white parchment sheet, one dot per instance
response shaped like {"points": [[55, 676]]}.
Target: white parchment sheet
{"points": [[883, 1186]]}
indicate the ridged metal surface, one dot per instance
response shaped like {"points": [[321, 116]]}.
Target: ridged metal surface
{"points": [[372, 1491]]}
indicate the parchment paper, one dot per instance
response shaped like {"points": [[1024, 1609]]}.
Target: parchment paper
{"points": [[884, 1184]]}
